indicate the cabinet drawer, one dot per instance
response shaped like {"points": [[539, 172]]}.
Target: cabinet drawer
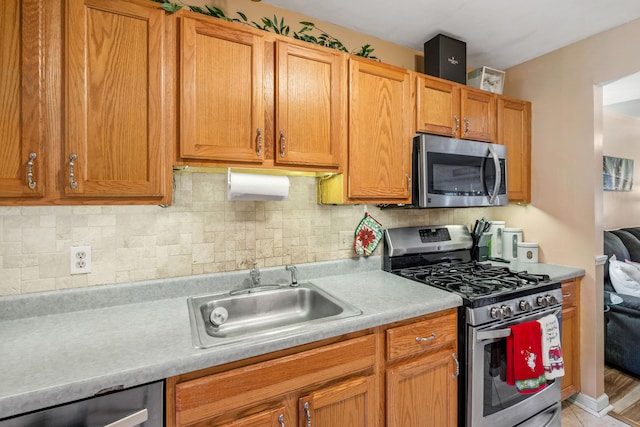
{"points": [[569, 293], [421, 336]]}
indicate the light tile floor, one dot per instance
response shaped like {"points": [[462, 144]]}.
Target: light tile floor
{"points": [[573, 416]]}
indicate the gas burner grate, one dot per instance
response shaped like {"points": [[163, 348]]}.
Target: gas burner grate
{"points": [[472, 279]]}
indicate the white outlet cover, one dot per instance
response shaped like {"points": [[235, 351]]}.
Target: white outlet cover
{"points": [[80, 260]]}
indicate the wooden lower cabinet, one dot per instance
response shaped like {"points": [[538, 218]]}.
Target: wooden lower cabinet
{"points": [[348, 404], [328, 383], [423, 392], [421, 374], [268, 418], [571, 337], [405, 373]]}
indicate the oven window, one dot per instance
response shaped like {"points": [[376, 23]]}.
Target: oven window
{"points": [[461, 175], [498, 395]]}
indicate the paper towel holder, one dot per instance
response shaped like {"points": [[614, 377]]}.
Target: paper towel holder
{"points": [[256, 187]]}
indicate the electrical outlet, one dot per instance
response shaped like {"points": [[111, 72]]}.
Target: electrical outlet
{"points": [[80, 260]]}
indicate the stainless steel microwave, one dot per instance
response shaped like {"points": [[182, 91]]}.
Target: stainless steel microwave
{"points": [[449, 172]]}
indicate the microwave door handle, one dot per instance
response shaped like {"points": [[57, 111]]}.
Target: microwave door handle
{"points": [[498, 169]]}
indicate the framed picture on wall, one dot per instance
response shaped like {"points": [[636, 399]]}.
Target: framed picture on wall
{"points": [[617, 174]]}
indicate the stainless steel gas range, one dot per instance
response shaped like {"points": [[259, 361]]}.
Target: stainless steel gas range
{"points": [[494, 298]]}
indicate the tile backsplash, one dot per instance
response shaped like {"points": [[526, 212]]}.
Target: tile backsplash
{"points": [[201, 232]]}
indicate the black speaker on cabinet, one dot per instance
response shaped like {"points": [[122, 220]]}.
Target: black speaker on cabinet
{"points": [[446, 57]]}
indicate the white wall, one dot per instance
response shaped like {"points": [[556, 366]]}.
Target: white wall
{"points": [[565, 216], [622, 139]]}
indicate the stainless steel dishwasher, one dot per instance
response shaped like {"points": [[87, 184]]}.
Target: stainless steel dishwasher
{"points": [[136, 406]]}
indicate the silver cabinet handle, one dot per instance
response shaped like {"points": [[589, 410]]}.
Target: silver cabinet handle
{"points": [[132, 420], [72, 181], [408, 183], [259, 143], [455, 359], [307, 413], [30, 181], [457, 119], [466, 126], [567, 295], [281, 420], [283, 144], [429, 338]]}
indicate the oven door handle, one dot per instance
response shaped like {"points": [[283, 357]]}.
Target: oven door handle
{"points": [[505, 332], [494, 334]]}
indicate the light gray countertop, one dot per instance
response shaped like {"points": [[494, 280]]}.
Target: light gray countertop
{"points": [[58, 347]]}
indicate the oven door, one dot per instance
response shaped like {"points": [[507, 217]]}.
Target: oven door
{"points": [[491, 401]]}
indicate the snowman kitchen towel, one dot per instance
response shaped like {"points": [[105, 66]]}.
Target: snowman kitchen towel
{"points": [[551, 349]]}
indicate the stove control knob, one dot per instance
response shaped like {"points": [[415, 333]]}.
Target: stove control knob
{"points": [[524, 305], [496, 313], [551, 300], [506, 310], [541, 301]]}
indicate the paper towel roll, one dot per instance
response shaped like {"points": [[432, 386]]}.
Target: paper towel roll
{"points": [[248, 186]]}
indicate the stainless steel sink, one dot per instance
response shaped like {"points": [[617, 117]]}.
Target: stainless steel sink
{"points": [[261, 311]]}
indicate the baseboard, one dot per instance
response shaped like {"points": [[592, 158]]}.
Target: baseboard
{"points": [[598, 407]]}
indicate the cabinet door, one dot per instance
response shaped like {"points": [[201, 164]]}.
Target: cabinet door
{"points": [[221, 102], [379, 133], [569, 334], [514, 131], [478, 114], [115, 141], [349, 404], [438, 107], [570, 337], [269, 418], [310, 112], [22, 152], [423, 392]]}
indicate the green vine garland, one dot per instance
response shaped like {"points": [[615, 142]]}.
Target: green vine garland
{"points": [[277, 26]]}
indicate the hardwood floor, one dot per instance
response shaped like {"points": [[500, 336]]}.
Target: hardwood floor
{"points": [[624, 394]]}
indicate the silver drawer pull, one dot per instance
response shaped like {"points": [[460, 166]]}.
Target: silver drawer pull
{"points": [[132, 420], [567, 295], [281, 420], [429, 338], [31, 182]]}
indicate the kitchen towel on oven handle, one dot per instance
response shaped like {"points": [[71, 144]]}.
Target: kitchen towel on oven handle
{"points": [[525, 368], [551, 347]]}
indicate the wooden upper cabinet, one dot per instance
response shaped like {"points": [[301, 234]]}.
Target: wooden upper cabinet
{"points": [[221, 93], [310, 105], [478, 113], [379, 165], [22, 151], [114, 106], [514, 124], [449, 109], [437, 106]]}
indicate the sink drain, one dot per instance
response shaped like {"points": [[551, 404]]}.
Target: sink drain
{"points": [[219, 315]]}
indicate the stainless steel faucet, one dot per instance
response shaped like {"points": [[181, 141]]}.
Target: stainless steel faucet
{"points": [[294, 274], [255, 275]]}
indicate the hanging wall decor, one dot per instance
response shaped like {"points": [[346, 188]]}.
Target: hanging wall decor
{"points": [[617, 174]]}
